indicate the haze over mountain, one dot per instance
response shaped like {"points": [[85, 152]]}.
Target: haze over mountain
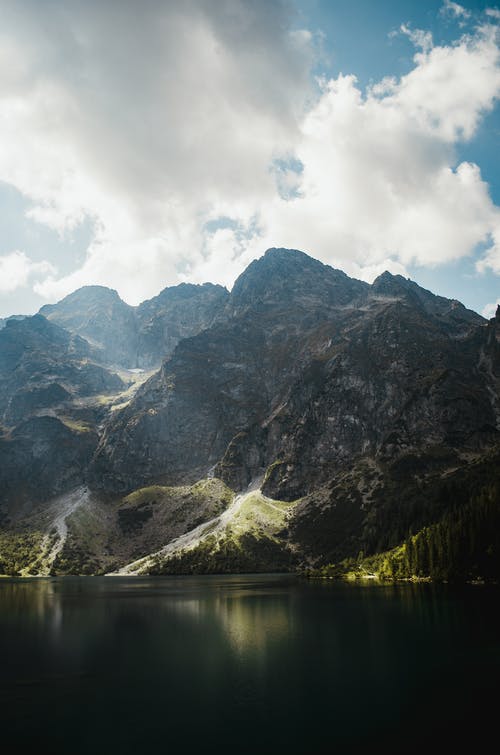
{"points": [[299, 420], [137, 336]]}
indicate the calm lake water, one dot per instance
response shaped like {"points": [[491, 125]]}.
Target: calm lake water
{"points": [[240, 664]]}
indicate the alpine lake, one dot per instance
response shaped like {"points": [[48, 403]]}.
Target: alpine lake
{"points": [[246, 664]]}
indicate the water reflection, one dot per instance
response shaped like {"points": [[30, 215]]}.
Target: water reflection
{"points": [[249, 625], [33, 602]]}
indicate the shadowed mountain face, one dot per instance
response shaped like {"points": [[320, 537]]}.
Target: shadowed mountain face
{"points": [[140, 336], [42, 365], [355, 403]]}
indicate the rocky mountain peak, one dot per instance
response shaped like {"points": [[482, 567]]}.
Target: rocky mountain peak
{"points": [[407, 290], [293, 277], [388, 284], [175, 295], [34, 332]]}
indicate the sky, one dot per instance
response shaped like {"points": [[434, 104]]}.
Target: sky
{"points": [[146, 143]]}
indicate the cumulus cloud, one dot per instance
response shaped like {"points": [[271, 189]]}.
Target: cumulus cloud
{"points": [[191, 135], [144, 116], [380, 187], [17, 270]]}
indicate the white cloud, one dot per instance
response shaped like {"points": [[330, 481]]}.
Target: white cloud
{"points": [[191, 136], [490, 309], [491, 258], [379, 187], [451, 87], [454, 9], [418, 37], [144, 119], [16, 270]]}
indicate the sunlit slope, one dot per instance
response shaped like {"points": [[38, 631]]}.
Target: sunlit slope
{"points": [[249, 536], [203, 527]]}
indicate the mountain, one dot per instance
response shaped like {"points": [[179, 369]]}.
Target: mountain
{"points": [[307, 370], [327, 416], [137, 337]]}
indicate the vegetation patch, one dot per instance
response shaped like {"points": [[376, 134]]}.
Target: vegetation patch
{"points": [[75, 559], [20, 552], [463, 547], [76, 425], [247, 554], [270, 470]]}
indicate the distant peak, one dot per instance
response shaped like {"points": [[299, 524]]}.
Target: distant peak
{"points": [[292, 258], [84, 296], [387, 276], [102, 291], [283, 253], [183, 291]]}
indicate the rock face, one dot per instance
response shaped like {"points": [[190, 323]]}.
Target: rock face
{"points": [[39, 459], [177, 312], [137, 337], [42, 364], [361, 402]]}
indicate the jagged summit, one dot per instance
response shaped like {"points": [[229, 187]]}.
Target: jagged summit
{"points": [[87, 294], [289, 255], [398, 286], [34, 332], [182, 291], [291, 276], [390, 281]]}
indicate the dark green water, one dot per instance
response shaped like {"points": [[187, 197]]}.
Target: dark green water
{"points": [[244, 664]]}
